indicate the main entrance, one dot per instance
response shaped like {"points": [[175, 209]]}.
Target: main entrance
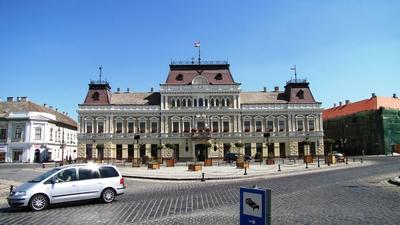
{"points": [[201, 152]]}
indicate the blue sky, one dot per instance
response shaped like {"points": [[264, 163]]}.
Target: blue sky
{"points": [[49, 50]]}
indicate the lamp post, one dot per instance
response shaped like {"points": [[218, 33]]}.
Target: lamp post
{"points": [[62, 145]]}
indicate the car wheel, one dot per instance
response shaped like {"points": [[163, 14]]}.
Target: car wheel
{"points": [[108, 195], [38, 202]]}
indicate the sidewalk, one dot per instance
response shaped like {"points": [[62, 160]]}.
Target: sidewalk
{"points": [[229, 171]]}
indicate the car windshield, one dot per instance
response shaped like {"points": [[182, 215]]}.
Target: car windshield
{"points": [[44, 176]]}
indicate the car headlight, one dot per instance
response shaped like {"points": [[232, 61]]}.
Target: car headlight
{"points": [[18, 193]]}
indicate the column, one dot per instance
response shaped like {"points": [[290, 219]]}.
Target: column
{"points": [[265, 150], [276, 149], [124, 151]]}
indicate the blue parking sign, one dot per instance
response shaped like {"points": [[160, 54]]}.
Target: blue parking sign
{"points": [[255, 206]]}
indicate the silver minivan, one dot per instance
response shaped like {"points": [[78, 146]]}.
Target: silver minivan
{"points": [[69, 183]]}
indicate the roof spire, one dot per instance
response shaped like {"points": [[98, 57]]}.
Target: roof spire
{"points": [[100, 69]]}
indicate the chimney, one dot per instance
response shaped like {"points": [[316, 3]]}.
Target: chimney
{"points": [[118, 90], [347, 102], [24, 99], [334, 105], [66, 113], [45, 105], [373, 95], [18, 99], [151, 90], [276, 88], [127, 90], [10, 99], [394, 95], [51, 107], [56, 109], [265, 89], [340, 103]]}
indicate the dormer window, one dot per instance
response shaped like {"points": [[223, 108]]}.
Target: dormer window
{"points": [[300, 94], [179, 77], [95, 96], [218, 76]]}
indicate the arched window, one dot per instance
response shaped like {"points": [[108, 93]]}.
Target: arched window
{"points": [[218, 76], [179, 77], [173, 102], [189, 102], [223, 102], [200, 102], [212, 102], [195, 103], [200, 80], [227, 102], [300, 94], [216, 102], [178, 103], [206, 102], [184, 102]]}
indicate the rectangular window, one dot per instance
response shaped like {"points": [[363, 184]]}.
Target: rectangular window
{"points": [[153, 127], [186, 127], [226, 126], [215, 127], [130, 127], [100, 127], [3, 133], [119, 152], [281, 125], [201, 125], [142, 127], [311, 125], [89, 127], [51, 134], [89, 154], [270, 125], [246, 126], [258, 126], [300, 125], [130, 152], [175, 127], [38, 133], [119, 127]]}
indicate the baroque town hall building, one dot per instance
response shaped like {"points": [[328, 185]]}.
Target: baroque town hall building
{"points": [[200, 112]]}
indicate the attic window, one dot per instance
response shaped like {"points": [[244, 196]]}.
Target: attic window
{"points": [[300, 94], [95, 96], [218, 76], [179, 77]]}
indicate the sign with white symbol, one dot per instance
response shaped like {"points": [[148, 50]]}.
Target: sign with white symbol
{"points": [[255, 206]]}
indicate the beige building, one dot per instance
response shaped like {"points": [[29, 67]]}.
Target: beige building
{"points": [[199, 112]]}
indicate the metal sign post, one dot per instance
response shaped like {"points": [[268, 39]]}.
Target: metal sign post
{"points": [[255, 206]]}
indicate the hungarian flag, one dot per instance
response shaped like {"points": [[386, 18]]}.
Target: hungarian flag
{"points": [[197, 44]]}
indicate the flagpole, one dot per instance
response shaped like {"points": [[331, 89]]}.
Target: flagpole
{"points": [[295, 74], [199, 54]]}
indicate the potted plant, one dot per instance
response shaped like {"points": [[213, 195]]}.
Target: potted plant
{"points": [[170, 161]]}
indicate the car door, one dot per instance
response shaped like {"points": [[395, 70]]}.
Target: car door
{"points": [[63, 186], [89, 184]]}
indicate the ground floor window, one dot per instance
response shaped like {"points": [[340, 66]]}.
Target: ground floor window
{"points": [[282, 149], [130, 152], [100, 152], [154, 151], [271, 152], [142, 150]]}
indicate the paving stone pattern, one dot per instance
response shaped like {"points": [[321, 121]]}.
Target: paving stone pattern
{"points": [[347, 196]]}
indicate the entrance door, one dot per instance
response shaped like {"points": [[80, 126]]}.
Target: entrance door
{"points": [[301, 149], [100, 152], [271, 152], [17, 156], [37, 156], [282, 152], [201, 152], [119, 152]]}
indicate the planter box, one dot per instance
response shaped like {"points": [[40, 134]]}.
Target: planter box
{"points": [[170, 162], [194, 167], [242, 165], [153, 165], [270, 161], [308, 159], [208, 162]]}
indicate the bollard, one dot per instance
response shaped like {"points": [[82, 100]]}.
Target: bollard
{"points": [[245, 171], [11, 188], [202, 177], [306, 165], [43, 165], [347, 161], [361, 160], [329, 163], [279, 167], [318, 163]]}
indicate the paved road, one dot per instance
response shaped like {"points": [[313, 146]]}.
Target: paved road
{"points": [[347, 196]]}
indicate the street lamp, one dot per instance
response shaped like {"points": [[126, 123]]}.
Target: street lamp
{"points": [[62, 145]]}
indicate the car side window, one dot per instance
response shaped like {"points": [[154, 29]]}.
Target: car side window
{"points": [[66, 175], [88, 173], [108, 171]]}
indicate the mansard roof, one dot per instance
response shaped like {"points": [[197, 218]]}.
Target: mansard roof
{"points": [[262, 97], [144, 98], [215, 72], [27, 106]]}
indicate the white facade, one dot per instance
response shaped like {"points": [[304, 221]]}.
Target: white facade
{"points": [[36, 137]]}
